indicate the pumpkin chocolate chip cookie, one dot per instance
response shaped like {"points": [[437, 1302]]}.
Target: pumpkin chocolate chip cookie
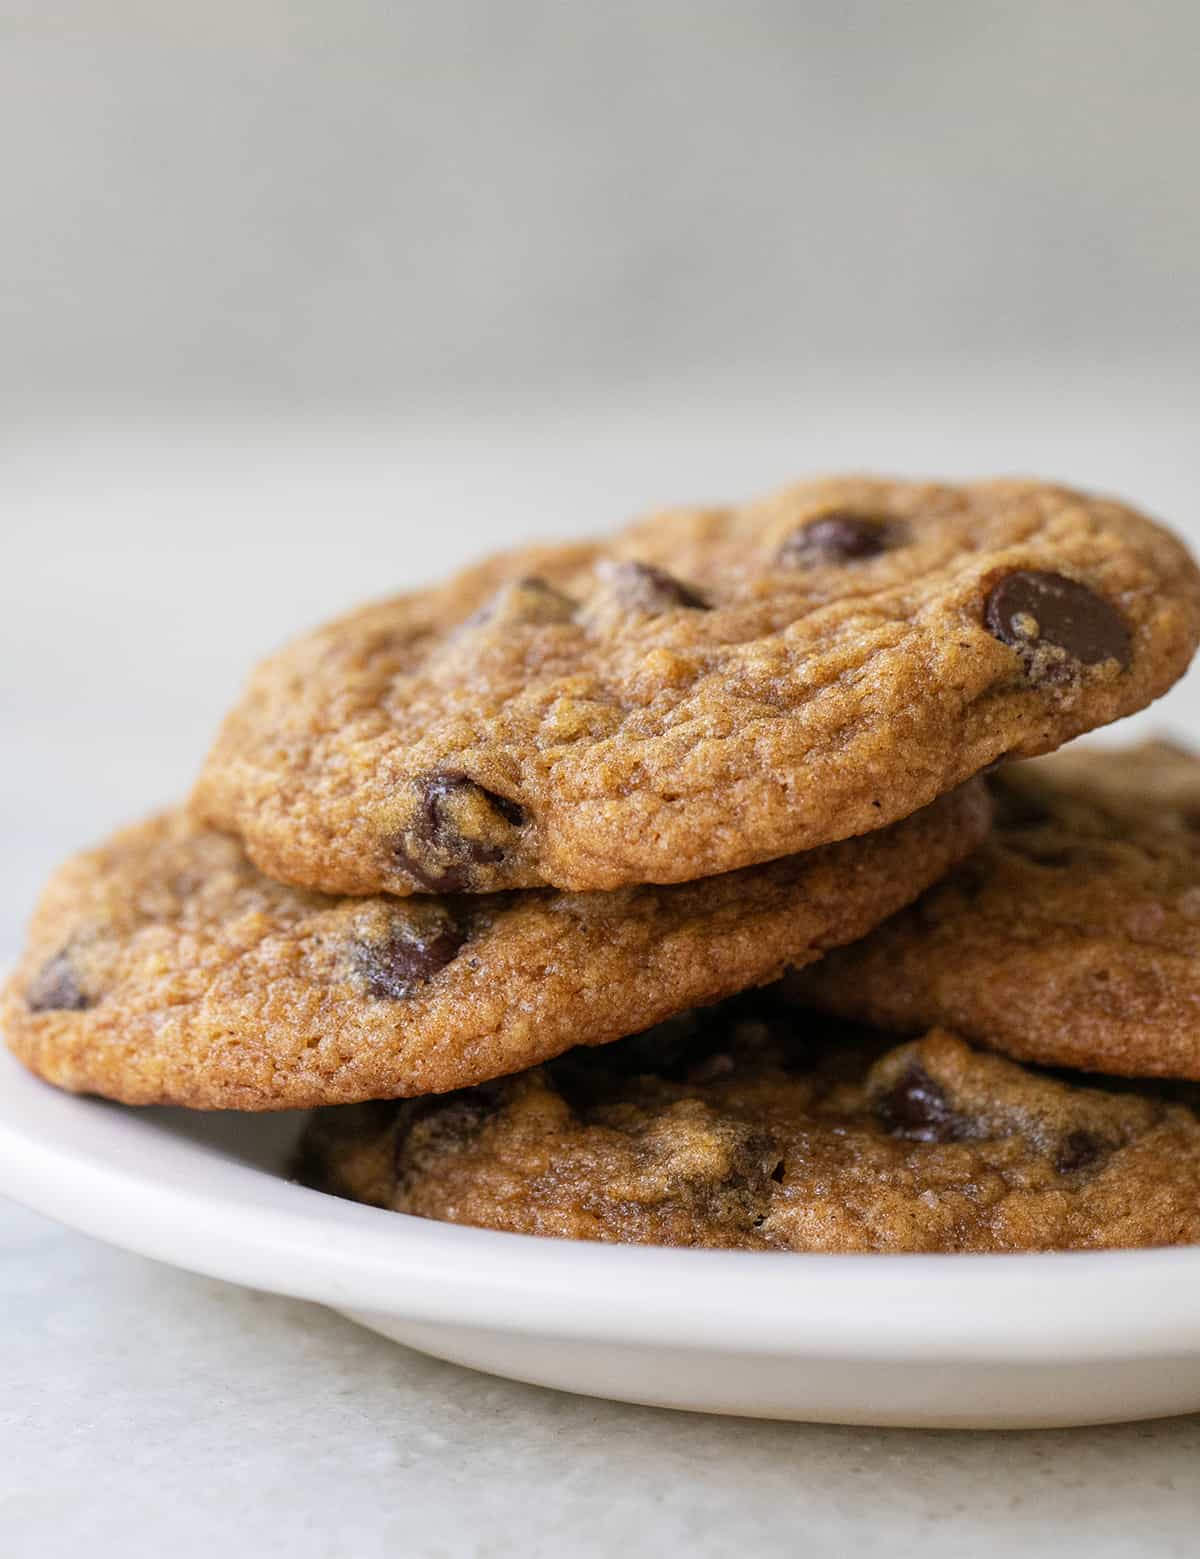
{"points": [[1071, 938], [706, 690], [780, 1132], [165, 968]]}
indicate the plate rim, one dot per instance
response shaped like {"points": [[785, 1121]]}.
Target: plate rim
{"points": [[84, 1162]]}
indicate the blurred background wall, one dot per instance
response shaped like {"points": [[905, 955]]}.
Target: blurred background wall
{"points": [[333, 199], [302, 300]]}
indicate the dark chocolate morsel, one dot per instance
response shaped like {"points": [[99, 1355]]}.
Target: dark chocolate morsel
{"points": [[1079, 1150], [440, 1121], [56, 988], [521, 603], [451, 781], [916, 1107], [1034, 607], [641, 587], [433, 848], [839, 537], [412, 954]]}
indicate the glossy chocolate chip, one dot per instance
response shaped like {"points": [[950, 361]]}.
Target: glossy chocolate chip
{"points": [[1034, 608], [641, 587], [916, 1107], [435, 850], [56, 988], [411, 955], [1079, 1150], [840, 537]]}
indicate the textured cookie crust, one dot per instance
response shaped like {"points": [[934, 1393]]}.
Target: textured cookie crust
{"points": [[1072, 938], [708, 689], [164, 968], [765, 1135]]}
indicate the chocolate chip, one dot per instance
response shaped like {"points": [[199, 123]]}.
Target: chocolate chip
{"points": [[437, 1122], [641, 587], [56, 988], [458, 825], [1079, 1150], [1033, 608], [528, 602], [839, 537], [412, 954], [916, 1107]]}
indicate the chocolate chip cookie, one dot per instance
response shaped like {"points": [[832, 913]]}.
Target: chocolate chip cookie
{"points": [[165, 968], [1071, 938], [775, 1133], [709, 689]]}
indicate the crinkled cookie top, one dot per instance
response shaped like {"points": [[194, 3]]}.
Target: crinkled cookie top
{"points": [[708, 689]]}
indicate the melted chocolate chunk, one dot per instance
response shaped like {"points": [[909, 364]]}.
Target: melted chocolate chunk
{"points": [[434, 848], [1079, 1150], [1033, 608], [840, 537], [916, 1107], [56, 988], [394, 968], [641, 587]]}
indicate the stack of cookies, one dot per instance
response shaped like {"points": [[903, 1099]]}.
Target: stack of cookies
{"points": [[686, 888]]}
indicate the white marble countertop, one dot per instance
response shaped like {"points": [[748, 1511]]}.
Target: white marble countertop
{"points": [[147, 1412]]}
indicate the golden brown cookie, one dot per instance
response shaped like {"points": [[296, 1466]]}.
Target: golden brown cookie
{"points": [[1073, 936], [164, 968], [708, 689], [770, 1132]]}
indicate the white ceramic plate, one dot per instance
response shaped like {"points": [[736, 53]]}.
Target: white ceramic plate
{"points": [[956, 1341]]}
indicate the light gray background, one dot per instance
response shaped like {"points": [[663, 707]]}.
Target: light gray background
{"points": [[304, 301], [358, 198]]}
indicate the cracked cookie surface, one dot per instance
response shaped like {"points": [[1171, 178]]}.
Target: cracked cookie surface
{"points": [[708, 689], [1071, 938], [770, 1132], [164, 968]]}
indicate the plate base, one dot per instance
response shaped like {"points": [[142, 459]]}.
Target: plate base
{"points": [[883, 1392], [923, 1341]]}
